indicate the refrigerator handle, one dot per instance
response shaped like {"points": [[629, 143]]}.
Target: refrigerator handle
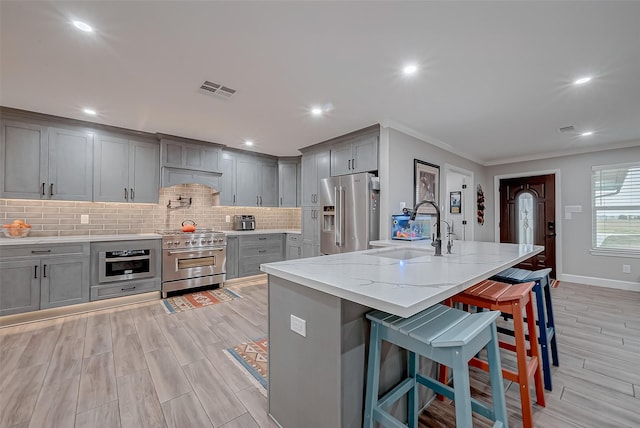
{"points": [[337, 226], [340, 215]]}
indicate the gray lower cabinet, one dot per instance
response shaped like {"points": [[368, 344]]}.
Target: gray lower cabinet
{"points": [[232, 257], [19, 287], [255, 249], [294, 246], [310, 232], [36, 277]]}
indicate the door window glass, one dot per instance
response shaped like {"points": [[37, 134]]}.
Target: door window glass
{"points": [[525, 218]]}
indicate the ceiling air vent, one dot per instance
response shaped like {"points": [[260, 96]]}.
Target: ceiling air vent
{"points": [[217, 90], [569, 128]]}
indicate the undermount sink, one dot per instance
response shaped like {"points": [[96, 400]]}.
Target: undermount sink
{"points": [[402, 253]]}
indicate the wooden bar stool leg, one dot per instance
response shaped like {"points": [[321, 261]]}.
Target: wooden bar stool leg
{"points": [[497, 387], [412, 399], [521, 357], [462, 388], [543, 339], [551, 322], [535, 351], [373, 376]]}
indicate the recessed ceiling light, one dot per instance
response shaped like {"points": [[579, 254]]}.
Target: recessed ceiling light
{"points": [[586, 134], [410, 69], [582, 80], [316, 111], [83, 26], [89, 111], [248, 143]]}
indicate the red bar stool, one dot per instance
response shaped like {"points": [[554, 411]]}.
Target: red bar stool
{"points": [[510, 299]]}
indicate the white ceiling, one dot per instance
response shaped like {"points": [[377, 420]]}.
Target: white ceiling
{"points": [[494, 81]]}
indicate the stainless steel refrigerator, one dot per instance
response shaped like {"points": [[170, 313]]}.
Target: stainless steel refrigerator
{"points": [[350, 213]]}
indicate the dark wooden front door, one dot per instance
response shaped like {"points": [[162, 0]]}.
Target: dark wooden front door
{"points": [[527, 213]]}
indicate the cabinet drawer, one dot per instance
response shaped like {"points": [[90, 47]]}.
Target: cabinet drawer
{"points": [[261, 250], [43, 250], [124, 289], [251, 265], [294, 239], [249, 240]]}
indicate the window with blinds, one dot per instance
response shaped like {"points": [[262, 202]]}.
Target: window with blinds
{"points": [[616, 207]]}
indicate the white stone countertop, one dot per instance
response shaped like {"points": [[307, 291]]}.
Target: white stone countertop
{"points": [[4, 241], [259, 231], [402, 287]]}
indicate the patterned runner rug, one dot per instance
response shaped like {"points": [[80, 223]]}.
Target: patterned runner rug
{"points": [[190, 301], [251, 357]]}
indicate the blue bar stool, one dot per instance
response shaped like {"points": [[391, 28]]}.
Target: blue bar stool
{"points": [[447, 336], [546, 323]]}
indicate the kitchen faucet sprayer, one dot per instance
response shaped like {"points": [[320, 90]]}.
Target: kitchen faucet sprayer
{"points": [[437, 242]]}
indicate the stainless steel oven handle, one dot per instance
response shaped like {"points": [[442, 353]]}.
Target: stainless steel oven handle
{"points": [[195, 250], [125, 259]]}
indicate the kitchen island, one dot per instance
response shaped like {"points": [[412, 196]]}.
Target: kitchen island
{"points": [[318, 333]]}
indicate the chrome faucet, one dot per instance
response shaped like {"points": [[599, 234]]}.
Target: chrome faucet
{"points": [[449, 233], [437, 242]]}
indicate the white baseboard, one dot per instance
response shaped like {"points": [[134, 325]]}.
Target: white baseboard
{"points": [[600, 282]]}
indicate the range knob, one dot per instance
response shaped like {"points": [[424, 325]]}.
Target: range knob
{"points": [[176, 242]]}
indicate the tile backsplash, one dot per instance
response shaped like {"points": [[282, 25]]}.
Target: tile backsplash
{"points": [[62, 218]]}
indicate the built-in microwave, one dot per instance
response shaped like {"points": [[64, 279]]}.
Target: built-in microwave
{"points": [[126, 264]]}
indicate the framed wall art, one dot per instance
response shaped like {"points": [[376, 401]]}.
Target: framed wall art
{"points": [[426, 181], [455, 202]]}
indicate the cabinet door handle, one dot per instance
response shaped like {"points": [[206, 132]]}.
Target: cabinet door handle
{"points": [[262, 238], [42, 189], [260, 200], [35, 272], [349, 164], [262, 251], [126, 194], [353, 163], [280, 200], [234, 199], [128, 288], [51, 189], [132, 194], [40, 251], [44, 271]]}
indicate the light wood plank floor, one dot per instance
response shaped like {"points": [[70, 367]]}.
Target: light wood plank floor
{"points": [[136, 366]]}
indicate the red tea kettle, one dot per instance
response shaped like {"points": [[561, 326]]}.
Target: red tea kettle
{"points": [[189, 226]]}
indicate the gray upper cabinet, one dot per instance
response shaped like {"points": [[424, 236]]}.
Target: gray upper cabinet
{"points": [[288, 183], [315, 166], [256, 181], [125, 170], [174, 176], [201, 157], [45, 163], [354, 156], [228, 192]]}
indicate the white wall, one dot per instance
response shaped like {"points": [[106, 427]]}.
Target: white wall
{"points": [[397, 152], [574, 236]]}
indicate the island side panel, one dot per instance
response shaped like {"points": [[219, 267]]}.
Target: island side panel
{"points": [[304, 372]]}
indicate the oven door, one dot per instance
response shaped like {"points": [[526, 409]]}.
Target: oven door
{"points": [[193, 263]]}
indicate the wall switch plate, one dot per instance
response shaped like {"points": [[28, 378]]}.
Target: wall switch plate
{"points": [[228, 219], [299, 326], [626, 268], [403, 205], [84, 219]]}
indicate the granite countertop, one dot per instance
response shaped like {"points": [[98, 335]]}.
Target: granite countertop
{"points": [[75, 239], [259, 231], [45, 240], [402, 287]]}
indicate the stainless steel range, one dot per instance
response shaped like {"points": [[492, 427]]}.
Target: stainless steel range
{"points": [[192, 259]]}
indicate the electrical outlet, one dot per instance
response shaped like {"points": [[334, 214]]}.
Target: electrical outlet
{"points": [[403, 205], [626, 268], [84, 219], [299, 326], [228, 219]]}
